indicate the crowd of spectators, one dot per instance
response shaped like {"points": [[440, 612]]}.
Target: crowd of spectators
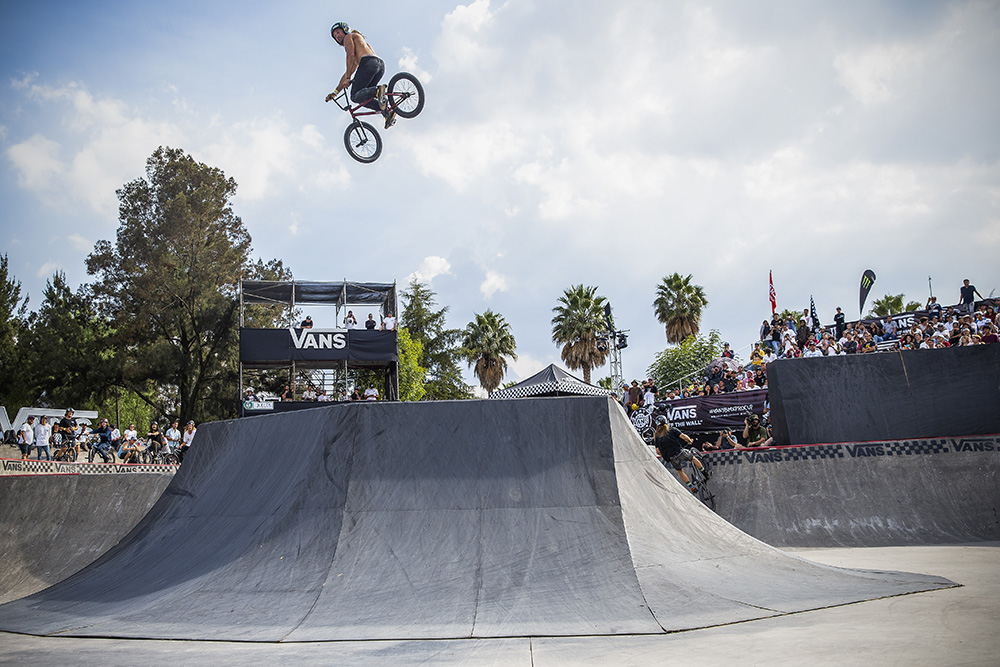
{"points": [[935, 327], [312, 394], [46, 439]]}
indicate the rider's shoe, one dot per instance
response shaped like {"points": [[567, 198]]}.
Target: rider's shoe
{"points": [[706, 472], [380, 96], [390, 119], [692, 488]]}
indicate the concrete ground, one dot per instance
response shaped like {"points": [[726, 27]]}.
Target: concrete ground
{"points": [[957, 626]]}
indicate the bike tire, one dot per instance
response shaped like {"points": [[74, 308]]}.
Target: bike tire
{"points": [[171, 459], [363, 142], [405, 88], [90, 455], [704, 494]]}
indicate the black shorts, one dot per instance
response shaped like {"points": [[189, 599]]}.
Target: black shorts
{"points": [[677, 461]]}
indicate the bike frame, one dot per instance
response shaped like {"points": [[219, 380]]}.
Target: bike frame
{"points": [[360, 109]]}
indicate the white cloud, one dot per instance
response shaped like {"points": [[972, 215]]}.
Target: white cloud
{"points": [[494, 283], [430, 268], [80, 243], [868, 74], [37, 163], [462, 45], [408, 63], [106, 147], [47, 269], [257, 153]]}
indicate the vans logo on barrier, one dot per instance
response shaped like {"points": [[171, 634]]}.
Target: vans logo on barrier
{"points": [[966, 445], [310, 340], [865, 450], [682, 412]]}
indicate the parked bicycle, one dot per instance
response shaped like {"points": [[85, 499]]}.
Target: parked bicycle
{"points": [[65, 449], [405, 97], [95, 448], [158, 453]]}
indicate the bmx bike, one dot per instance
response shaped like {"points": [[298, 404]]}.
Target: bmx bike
{"points": [[363, 142], [700, 481], [97, 448]]}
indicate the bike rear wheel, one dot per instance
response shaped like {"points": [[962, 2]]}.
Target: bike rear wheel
{"points": [[362, 141], [406, 95], [704, 493]]}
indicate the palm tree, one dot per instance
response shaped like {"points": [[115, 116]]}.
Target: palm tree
{"points": [[486, 343], [579, 318], [678, 306], [891, 304]]}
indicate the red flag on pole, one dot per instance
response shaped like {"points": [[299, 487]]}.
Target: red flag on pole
{"points": [[774, 303]]}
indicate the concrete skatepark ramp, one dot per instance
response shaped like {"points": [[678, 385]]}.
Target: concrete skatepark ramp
{"points": [[53, 525], [529, 517]]}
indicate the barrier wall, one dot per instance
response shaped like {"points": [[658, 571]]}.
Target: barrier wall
{"points": [[880, 493], [888, 395]]}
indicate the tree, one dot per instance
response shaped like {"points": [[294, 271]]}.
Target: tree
{"points": [[66, 351], [578, 319], [411, 373], [486, 343], [693, 354], [890, 304], [12, 327], [441, 352], [169, 285], [678, 306]]}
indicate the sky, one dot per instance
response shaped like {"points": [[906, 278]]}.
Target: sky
{"points": [[562, 143]]}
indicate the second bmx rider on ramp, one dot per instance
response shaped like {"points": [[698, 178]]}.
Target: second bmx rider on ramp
{"points": [[672, 446]]}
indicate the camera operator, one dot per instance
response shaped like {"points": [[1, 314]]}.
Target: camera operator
{"points": [[728, 441], [754, 434]]}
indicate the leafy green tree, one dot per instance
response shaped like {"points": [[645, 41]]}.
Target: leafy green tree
{"points": [[66, 348], [607, 382], [169, 285], [411, 373], [441, 351], [678, 306], [13, 389], [693, 354], [259, 316], [486, 343], [890, 304], [578, 319]]}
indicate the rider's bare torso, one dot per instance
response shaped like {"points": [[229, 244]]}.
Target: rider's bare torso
{"points": [[357, 47]]}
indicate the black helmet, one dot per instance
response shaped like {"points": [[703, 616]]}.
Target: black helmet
{"points": [[342, 25], [662, 419]]}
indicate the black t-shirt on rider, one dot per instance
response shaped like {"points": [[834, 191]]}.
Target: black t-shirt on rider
{"points": [[669, 444]]}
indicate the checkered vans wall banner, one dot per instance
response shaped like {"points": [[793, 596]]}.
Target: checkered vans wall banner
{"points": [[922, 447], [35, 467]]}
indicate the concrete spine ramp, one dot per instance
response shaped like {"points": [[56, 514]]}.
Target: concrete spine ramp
{"points": [[527, 517], [883, 493], [54, 525]]}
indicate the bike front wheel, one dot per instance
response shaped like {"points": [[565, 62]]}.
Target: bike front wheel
{"points": [[362, 141], [406, 95]]}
